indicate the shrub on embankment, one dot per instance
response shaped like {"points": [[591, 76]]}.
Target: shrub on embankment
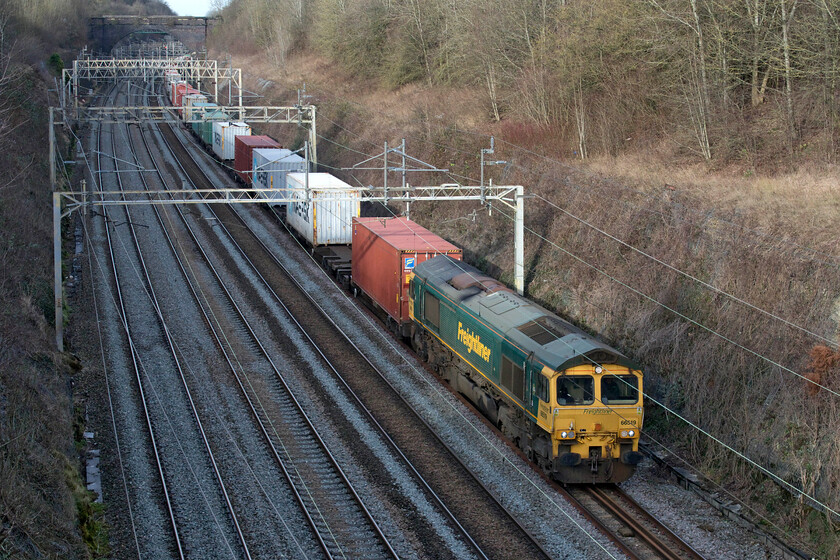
{"points": [[709, 139], [42, 497]]}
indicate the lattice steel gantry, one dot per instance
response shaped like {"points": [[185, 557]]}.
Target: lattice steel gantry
{"points": [[110, 69], [511, 196]]}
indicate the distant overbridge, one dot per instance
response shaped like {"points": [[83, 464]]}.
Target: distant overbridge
{"points": [[105, 32]]}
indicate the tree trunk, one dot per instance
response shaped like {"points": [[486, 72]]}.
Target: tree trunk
{"points": [[580, 120], [491, 89], [787, 17], [704, 102]]}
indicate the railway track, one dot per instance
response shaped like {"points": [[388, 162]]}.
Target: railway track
{"points": [[334, 349], [327, 499], [123, 316], [638, 533], [185, 539]]}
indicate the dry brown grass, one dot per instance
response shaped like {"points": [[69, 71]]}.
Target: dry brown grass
{"points": [[784, 197], [770, 240]]}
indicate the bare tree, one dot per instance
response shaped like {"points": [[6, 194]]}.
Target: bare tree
{"points": [[788, 11], [698, 81], [760, 24], [580, 119]]}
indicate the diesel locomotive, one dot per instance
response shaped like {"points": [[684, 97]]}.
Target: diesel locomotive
{"points": [[570, 402]]}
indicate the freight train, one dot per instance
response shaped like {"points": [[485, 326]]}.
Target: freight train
{"points": [[258, 161], [322, 217], [572, 403]]}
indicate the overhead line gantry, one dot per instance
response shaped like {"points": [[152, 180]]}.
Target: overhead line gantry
{"points": [[99, 70]]}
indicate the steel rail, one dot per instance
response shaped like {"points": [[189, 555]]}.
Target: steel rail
{"points": [[168, 336], [631, 519], [356, 398], [293, 398], [135, 361]]}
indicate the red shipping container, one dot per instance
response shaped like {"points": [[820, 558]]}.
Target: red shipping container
{"points": [[173, 91], [178, 89], [243, 152], [385, 252], [182, 89]]}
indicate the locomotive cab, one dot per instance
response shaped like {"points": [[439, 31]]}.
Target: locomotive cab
{"points": [[595, 423]]}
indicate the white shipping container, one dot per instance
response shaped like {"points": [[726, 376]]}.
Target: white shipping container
{"points": [[327, 219], [270, 167], [224, 137], [188, 101]]}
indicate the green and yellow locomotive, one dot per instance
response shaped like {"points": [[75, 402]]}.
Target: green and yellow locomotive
{"points": [[571, 403]]}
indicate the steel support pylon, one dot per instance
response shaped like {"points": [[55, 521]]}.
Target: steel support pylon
{"points": [[58, 288], [519, 242]]}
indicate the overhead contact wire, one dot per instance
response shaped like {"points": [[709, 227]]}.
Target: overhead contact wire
{"points": [[687, 275]]}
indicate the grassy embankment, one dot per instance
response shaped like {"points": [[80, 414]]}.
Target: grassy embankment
{"points": [[766, 237]]}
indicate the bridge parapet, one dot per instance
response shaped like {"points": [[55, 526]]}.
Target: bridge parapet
{"points": [[108, 30]]}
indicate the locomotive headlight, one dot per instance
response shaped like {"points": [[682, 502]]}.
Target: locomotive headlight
{"points": [[567, 435], [628, 433], [598, 369]]}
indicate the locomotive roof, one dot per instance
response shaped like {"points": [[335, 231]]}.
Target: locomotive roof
{"points": [[554, 341]]}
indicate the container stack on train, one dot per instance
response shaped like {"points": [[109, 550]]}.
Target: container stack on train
{"points": [[233, 140], [179, 90], [224, 138], [243, 160], [271, 165], [204, 128], [195, 108], [188, 100], [322, 208], [170, 76]]}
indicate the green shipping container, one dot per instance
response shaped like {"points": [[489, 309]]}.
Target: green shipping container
{"points": [[202, 107], [206, 128]]}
